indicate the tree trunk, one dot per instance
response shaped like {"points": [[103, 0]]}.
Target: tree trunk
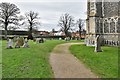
{"points": [[66, 34], [6, 24], [80, 33], [30, 32]]}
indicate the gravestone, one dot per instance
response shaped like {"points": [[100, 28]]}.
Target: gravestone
{"points": [[9, 44], [25, 45], [15, 39], [21, 41], [39, 40], [60, 38], [98, 44], [34, 39], [17, 44], [67, 39]]}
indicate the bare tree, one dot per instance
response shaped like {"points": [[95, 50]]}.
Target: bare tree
{"points": [[66, 23], [8, 15], [32, 20], [80, 23]]}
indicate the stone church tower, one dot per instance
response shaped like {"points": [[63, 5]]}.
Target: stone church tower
{"points": [[103, 18]]}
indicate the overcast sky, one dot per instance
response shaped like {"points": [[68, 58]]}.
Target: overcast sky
{"points": [[51, 10]]}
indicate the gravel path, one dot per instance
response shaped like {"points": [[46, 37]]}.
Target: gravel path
{"points": [[65, 65]]}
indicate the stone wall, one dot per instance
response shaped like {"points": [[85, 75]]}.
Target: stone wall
{"points": [[99, 9], [105, 22], [110, 9], [111, 39]]}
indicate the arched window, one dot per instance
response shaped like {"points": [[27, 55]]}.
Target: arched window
{"points": [[101, 27], [106, 27], [97, 26], [112, 26], [118, 25]]}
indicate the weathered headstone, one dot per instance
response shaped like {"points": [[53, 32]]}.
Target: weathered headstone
{"points": [[9, 44], [98, 44], [39, 40], [17, 44], [34, 39], [21, 41], [67, 39], [25, 45], [60, 38], [15, 39]]}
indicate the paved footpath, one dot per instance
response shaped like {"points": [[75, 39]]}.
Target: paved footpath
{"points": [[65, 65]]}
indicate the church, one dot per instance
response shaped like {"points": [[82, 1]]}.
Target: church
{"points": [[103, 19]]}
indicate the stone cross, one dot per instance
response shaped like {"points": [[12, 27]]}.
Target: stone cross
{"points": [[98, 44], [9, 44]]}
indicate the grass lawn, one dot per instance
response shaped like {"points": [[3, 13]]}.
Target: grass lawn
{"points": [[28, 62], [0, 60], [104, 64]]}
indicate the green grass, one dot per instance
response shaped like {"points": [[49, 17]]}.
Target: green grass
{"points": [[0, 59], [104, 64], [30, 62]]}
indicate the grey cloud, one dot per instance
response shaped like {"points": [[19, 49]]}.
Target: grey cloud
{"points": [[51, 11]]}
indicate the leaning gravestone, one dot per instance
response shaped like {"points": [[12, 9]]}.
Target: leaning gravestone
{"points": [[25, 45], [98, 44], [9, 44]]}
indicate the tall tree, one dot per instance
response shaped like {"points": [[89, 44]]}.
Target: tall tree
{"points": [[80, 23], [66, 23], [8, 15], [32, 20]]}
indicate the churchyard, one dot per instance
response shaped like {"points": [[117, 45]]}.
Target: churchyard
{"points": [[80, 48], [32, 62]]}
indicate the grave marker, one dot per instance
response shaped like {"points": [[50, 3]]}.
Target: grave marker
{"points": [[98, 44], [9, 44]]}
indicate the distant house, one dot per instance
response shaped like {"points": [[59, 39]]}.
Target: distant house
{"points": [[45, 33], [76, 34], [57, 33]]}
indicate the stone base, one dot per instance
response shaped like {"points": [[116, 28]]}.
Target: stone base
{"points": [[17, 46], [98, 51], [9, 47]]}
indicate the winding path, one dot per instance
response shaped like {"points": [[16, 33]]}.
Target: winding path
{"points": [[65, 65]]}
